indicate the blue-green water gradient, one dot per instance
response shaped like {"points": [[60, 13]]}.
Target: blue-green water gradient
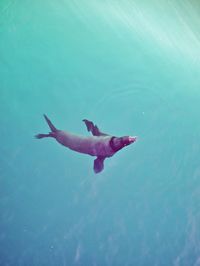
{"points": [[133, 68]]}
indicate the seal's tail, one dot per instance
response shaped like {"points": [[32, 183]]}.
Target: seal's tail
{"points": [[53, 129], [41, 136]]}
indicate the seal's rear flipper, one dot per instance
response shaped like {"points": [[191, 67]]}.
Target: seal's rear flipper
{"points": [[41, 136], [93, 128], [53, 129], [99, 164]]}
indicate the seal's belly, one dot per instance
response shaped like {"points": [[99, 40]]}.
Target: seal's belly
{"points": [[94, 146]]}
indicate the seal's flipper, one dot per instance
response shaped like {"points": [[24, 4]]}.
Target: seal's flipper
{"points": [[93, 128], [41, 136], [53, 129], [99, 164]]}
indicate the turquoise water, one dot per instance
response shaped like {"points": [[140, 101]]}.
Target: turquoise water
{"points": [[133, 68]]}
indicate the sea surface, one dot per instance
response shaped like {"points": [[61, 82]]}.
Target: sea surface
{"points": [[133, 68]]}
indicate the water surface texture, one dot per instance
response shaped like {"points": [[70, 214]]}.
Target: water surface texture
{"points": [[132, 67]]}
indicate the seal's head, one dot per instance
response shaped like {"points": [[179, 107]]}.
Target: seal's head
{"points": [[119, 143]]}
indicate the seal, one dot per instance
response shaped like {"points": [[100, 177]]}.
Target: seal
{"points": [[100, 145]]}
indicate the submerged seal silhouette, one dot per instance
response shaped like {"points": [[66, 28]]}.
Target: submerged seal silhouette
{"points": [[99, 144]]}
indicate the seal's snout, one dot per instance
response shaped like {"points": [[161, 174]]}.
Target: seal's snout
{"points": [[132, 139], [127, 140]]}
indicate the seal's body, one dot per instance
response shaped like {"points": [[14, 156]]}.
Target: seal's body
{"points": [[94, 146], [100, 144]]}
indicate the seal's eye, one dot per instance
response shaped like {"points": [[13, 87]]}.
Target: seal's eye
{"points": [[124, 142]]}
